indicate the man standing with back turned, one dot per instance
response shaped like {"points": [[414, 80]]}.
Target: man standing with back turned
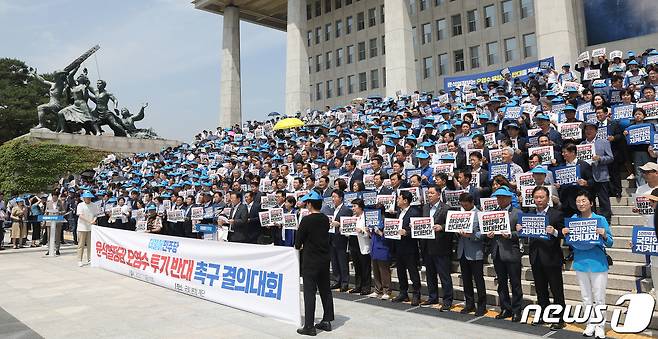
{"points": [[313, 239]]}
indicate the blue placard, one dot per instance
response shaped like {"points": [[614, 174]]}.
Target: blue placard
{"points": [[644, 240], [639, 134], [623, 111], [582, 233], [502, 169], [472, 80], [347, 199], [615, 96], [205, 228], [369, 197], [513, 113], [566, 175], [51, 218], [408, 173], [533, 226], [373, 218]]}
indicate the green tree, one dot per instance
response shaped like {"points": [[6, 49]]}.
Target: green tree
{"points": [[20, 95]]}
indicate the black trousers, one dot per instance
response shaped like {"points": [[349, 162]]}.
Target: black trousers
{"points": [[366, 273], [439, 264], [509, 274], [406, 262], [548, 277], [601, 190], [355, 254], [317, 280], [338, 251], [473, 270]]}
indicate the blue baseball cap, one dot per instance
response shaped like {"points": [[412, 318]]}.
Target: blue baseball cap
{"points": [[503, 192], [539, 170], [312, 195], [87, 194], [422, 154]]}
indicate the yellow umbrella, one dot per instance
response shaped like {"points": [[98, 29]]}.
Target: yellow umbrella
{"points": [[288, 123]]}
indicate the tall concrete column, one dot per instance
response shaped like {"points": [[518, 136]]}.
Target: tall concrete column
{"points": [[297, 75], [400, 58], [556, 37], [230, 106]]}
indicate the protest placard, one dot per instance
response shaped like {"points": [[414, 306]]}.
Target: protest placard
{"points": [[388, 201], [583, 56], [644, 240], [650, 108], [140, 226], [265, 219], [348, 197], [614, 96], [533, 226], [545, 64], [585, 152], [524, 179], [494, 221], [475, 180], [526, 196], [452, 197], [495, 155], [643, 205], [582, 232], [499, 169], [545, 152], [348, 225], [166, 204], [447, 168], [470, 151], [369, 197], [175, 215], [616, 54], [138, 214], [421, 228], [488, 204], [592, 74], [373, 218], [639, 134], [602, 133], [570, 85], [623, 111], [415, 193], [570, 130], [513, 112], [598, 52], [457, 221], [197, 213], [328, 204], [566, 175], [392, 227], [116, 212], [276, 216], [490, 139], [408, 173], [369, 181], [290, 221]]}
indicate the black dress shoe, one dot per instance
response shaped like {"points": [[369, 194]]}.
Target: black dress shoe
{"points": [[57, 253], [334, 286], [354, 291], [344, 289], [504, 314], [429, 302], [480, 312], [558, 326], [400, 298], [445, 307], [324, 325], [415, 301], [467, 309], [307, 331], [516, 318]]}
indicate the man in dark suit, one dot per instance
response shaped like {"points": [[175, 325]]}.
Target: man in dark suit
{"points": [[546, 254], [376, 163], [507, 260], [619, 149], [464, 179], [470, 252], [323, 187], [379, 187], [338, 249], [567, 193], [238, 219], [352, 172], [253, 229], [437, 251], [600, 162], [407, 251]]}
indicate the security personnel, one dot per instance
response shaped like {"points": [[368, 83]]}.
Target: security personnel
{"points": [[313, 239]]}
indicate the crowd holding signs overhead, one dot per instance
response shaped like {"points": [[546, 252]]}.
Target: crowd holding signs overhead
{"points": [[414, 180]]}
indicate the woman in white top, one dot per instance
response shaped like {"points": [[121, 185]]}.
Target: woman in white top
{"points": [[363, 237], [87, 212]]}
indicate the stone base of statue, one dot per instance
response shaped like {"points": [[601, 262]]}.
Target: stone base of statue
{"points": [[108, 143]]}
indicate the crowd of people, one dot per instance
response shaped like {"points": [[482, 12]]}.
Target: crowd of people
{"points": [[443, 143]]}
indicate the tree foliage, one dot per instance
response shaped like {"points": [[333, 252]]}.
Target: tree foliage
{"points": [[34, 167], [20, 95]]}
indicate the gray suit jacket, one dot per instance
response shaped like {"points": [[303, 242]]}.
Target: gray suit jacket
{"points": [[600, 168], [507, 249], [472, 248], [240, 224]]}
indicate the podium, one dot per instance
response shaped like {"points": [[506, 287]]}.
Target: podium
{"points": [[52, 219]]}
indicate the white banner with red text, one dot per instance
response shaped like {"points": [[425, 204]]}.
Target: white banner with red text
{"points": [[259, 279]]}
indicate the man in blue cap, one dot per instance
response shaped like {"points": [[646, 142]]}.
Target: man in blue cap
{"points": [[312, 238], [86, 212], [506, 256]]}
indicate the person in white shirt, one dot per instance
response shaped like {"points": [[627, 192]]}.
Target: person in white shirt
{"points": [[86, 212], [363, 237]]}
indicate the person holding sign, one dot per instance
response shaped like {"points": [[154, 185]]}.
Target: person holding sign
{"points": [[87, 212], [338, 242], [470, 252], [567, 192], [153, 220], [312, 239], [640, 151], [507, 260], [407, 251], [381, 260], [546, 254], [438, 251], [591, 263], [600, 161], [363, 272], [618, 146]]}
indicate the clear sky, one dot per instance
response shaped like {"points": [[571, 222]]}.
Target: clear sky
{"points": [[161, 51]]}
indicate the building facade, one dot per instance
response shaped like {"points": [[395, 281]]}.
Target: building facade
{"points": [[338, 50]]}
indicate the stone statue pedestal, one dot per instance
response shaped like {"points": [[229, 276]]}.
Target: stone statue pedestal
{"points": [[108, 143]]}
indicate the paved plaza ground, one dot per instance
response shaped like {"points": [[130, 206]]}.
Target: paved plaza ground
{"points": [[54, 298]]}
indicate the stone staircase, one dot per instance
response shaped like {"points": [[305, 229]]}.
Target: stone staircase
{"points": [[630, 272]]}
